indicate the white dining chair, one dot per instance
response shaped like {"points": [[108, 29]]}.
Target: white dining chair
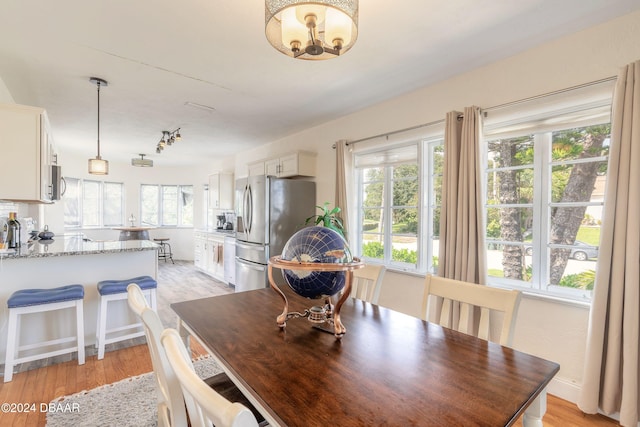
{"points": [[441, 294], [171, 409], [204, 405], [367, 282]]}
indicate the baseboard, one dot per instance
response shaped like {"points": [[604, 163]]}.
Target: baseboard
{"points": [[564, 389], [570, 391]]}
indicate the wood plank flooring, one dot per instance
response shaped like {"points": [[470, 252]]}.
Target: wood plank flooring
{"points": [[43, 384]]}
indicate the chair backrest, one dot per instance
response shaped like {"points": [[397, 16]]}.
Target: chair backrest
{"points": [[204, 404], [367, 282], [470, 295], [171, 410]]}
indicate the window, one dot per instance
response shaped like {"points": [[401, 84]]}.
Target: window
{"points": [[93, 204], [72, 203], [545, 180], [394, 210], [166, 205]]}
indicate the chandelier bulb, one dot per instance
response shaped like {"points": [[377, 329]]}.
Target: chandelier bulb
{"points": [[311, 20]]}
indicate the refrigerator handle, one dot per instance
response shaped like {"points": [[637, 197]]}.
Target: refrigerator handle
{"points": [[254, 247], [245, 219], [251, 265], [248, 209]]}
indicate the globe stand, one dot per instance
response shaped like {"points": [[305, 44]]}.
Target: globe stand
{"points": [[317, 314]]}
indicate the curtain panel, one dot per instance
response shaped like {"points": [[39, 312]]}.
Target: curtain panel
{"points": [[344, 183], [462, 251], [611, 372]]}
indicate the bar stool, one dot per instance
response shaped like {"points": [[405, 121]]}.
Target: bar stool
{"points": [[165, 249], [27, 301], [114, 290]]}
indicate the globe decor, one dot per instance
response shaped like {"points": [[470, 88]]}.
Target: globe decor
{"points": [[316, 262]]}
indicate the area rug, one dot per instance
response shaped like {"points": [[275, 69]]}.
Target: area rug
{"points": [[129, 402]]}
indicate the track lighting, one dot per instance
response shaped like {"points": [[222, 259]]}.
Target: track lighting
{"points": [[168, 138]]}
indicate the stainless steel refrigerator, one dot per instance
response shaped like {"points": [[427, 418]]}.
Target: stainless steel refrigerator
{"points": [[269, 211]]}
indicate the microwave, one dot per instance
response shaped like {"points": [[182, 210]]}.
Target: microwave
{"points": [[56, 182]]}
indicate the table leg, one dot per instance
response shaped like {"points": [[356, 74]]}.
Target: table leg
{"points": [[534, 413], [184, 334]]}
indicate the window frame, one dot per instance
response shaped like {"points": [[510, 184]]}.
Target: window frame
{"points": [[425, 205], [161, 207], [542, 206], [79, 220]]}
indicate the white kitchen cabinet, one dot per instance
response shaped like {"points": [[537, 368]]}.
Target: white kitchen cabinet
{"points": [[208, 254], [25, 138], [230, 260], [221, 191], [199, 251], [272, 167], [256, 168], [215, 255], [300, 163]]}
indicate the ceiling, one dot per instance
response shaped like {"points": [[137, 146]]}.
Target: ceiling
{"points": [[164, 58]]}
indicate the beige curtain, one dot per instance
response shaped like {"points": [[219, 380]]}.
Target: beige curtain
{"points": [[462, 250], [344, 184], [611, 368]]}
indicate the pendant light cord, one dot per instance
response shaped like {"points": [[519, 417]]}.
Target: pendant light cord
{"points": [[98, 119]]}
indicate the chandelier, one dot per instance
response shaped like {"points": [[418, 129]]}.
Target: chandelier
{"points": [[168, 138], [311, 29]]}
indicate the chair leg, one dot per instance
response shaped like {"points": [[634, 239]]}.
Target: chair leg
{"points": [[153, 299], [162, 253], [98, 326], [80, 331], [12, 344], [102, 327], [170, 254]]}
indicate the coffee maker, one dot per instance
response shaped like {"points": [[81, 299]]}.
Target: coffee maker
{"points": [[220, 221]]}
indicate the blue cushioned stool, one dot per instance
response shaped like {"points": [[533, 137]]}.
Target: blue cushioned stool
{"points": [[27, 301], [114, 290]]}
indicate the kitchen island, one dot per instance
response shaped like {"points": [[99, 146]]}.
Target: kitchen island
{"points": [[65, 261]]}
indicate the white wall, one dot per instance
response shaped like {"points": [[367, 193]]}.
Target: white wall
{"points": [[5, 95], [547, 328]]}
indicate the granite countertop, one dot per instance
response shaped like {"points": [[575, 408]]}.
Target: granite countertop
{"points": [[76, 245], [216, 231]]}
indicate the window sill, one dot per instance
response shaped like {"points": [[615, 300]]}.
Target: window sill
{"points": [[526, 293], [557, 300]]}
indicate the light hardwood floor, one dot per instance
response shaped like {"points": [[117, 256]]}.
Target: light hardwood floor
{"points": [[43, 384]]}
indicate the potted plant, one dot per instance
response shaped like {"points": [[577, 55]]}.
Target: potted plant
{"points": [[328, 218]]}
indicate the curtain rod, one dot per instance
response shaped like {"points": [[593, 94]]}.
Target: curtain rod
{"points": [[544, 95], [484, 110], [387, 134]]}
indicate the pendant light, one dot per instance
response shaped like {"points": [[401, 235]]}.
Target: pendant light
{"points": [[98, 166]]}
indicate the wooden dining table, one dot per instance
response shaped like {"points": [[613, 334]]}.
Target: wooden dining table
{"points": [[389, 369]]}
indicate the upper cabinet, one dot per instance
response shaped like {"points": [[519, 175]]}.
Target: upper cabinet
{"points": [[221, 191], [27, 171], [256, 168], [300, 163]]}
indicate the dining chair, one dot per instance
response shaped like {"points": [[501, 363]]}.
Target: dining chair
{"points": [[204, 405], [171, 407], [366, 283], [488, 300]]}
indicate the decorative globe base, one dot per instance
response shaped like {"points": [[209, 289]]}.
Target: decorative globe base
{"points": [[326, 313]]}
